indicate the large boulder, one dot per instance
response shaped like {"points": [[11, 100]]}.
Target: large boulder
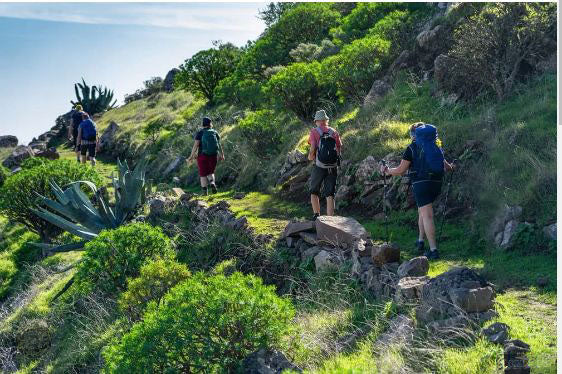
{"points": [[173, 166], [377, 91], [169, 79], [550, 231], [385, 253], [19, 154], [49, 153], [267, 362], [366, 169], [337, 230], [430, 40], [38, 146], [107, 139], [7, 141], [416, 267], [295, 227], [453, 294]]}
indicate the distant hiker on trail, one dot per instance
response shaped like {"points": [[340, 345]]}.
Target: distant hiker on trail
{"points": [[207, 146], [325, 150], [424, 157], [75, 119], [87, 139]]}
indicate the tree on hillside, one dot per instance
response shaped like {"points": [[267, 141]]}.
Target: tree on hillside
{"points": [[205, 69], [274, 11], [491, 48]]}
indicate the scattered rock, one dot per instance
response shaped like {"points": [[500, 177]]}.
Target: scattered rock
{"points": [[174, 165], [169, 79], [508, 234], [409, 289], [377, 91], [550, 231], [309, 237], [238, 224], [429, 40], [542, 281], [108, 138], [19, 154], [239, 195], [323, 260], [291, 241], [7, 141], [50, 154], [337, 230], [515, 357], [267, 362], [366, 169], [296, 227], [38, 146], [496, 333], [385, 253], [505, 215], [344, 193], [178, 192], [310, 253], [416, 267], [441, 69], [157, 205]]}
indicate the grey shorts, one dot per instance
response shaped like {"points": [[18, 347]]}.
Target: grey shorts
{"points": [[327, 177]]}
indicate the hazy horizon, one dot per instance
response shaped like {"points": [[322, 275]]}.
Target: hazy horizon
{"points": [[48, 47]]}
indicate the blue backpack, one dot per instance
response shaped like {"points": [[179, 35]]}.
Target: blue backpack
{"points": [[430, 160], [89, 131]]}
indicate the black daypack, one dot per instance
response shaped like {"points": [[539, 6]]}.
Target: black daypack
{"points": [[327, 152]]}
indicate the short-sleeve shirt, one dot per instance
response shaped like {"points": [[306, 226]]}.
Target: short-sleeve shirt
{"points": [[410, 154], [314, 137], [199, 136]]}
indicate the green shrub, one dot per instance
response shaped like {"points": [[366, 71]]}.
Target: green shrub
{"points": [[493, 48], [205, 324], [355, 68], [32, 162], [117, 254], [18, 194], [153, 128], [262, 131], [4, 174], [300, 88], [155, 279], [239, 90]]}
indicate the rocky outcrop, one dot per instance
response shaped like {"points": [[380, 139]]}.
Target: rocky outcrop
{"points": [[340, 231], [416, 267], [49, 153], [19, 154], [451, 296], [504, 226], [169, 79], [108, 138], [7, 141], [295, 163], [550, 231], [378, 89], [267, 362], [173, 166]]}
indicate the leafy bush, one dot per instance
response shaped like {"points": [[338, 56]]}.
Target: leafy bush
{"points": [[300, 88], [153, 128], [491, 49], [155, 279], [355, 68], [262, 131], [18, 194], [205, 69], [239, 90], [32, 162], [4, 174], [308, 52], [398, 28], [117, 254], [204, 324]]}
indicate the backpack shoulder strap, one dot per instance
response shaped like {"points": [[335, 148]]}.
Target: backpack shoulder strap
{"points": [[319, 131]]}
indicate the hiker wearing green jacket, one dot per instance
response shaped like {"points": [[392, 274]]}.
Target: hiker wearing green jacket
{"points": [[207, 149], [325, 149]]}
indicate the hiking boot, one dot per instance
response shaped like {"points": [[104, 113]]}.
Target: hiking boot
{"points": [[420, 246], [316, 215], [432, 255], [214, 187]]}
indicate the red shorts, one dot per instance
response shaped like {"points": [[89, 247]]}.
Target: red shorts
{"points": [[206, 164]]}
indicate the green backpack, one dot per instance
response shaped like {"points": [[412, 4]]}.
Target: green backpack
{"points": [[210, 142]]}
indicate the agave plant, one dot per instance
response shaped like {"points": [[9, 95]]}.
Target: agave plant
{"points": [[75, 213], [95, 99]]}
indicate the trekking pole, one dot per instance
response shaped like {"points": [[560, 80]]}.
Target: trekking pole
{"points": [[384, 201], [446, 199]]}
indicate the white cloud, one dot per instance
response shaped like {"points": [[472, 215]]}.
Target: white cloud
{"points": [[197, 16]]}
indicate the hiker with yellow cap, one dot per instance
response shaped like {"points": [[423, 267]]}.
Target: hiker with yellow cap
{"points": [[325, 150]]}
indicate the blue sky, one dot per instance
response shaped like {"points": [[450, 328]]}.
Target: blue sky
{"points": [[46, 47]]}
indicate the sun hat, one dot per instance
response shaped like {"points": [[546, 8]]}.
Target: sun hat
{"points": [[321, 115]]}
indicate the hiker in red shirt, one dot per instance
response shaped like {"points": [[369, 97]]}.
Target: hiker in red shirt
{"points": [[207, 149], [325, 150]]}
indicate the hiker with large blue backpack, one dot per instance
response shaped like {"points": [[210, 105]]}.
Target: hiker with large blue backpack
{"points": [[206, 149], [88, 139], [325, 150], [426, 163]]}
